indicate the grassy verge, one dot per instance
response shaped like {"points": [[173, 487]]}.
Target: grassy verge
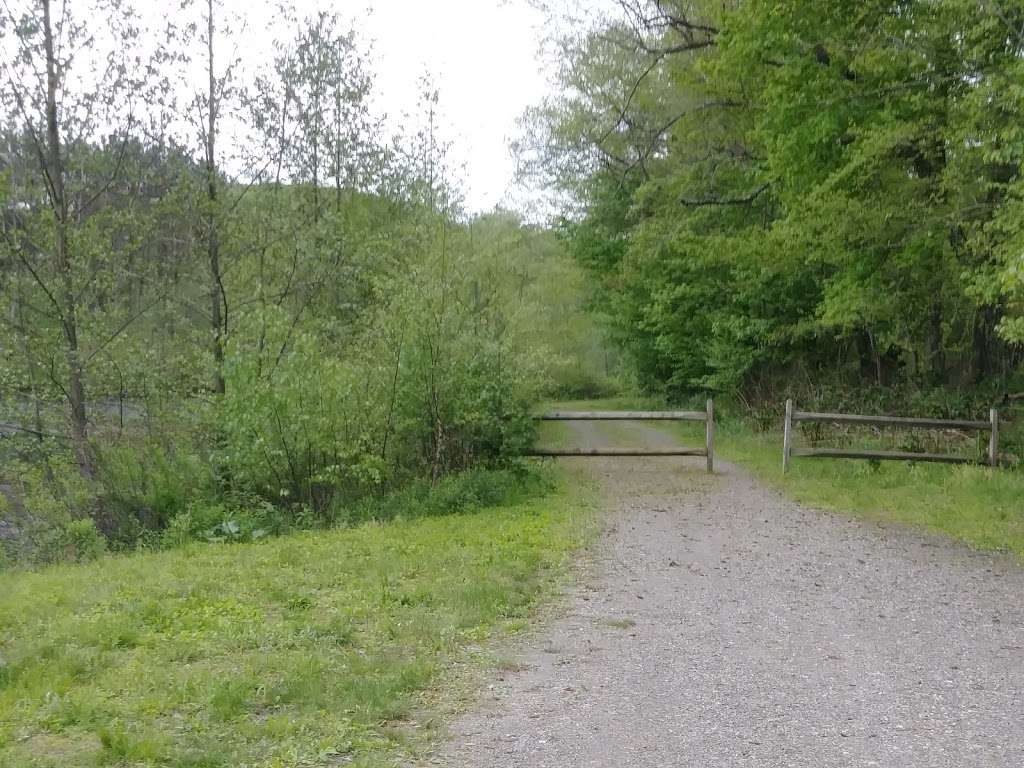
{"points": [[979, 506], [298, 651]]}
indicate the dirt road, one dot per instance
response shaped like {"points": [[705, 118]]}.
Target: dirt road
{"points": [[723, 626]]}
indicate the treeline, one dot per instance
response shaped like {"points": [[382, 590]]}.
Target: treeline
{"points": [[244, 308], [814, 195]]}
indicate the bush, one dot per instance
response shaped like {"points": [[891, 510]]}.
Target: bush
{"points": [[464, 492], [81, 541], [420, 359], [144, 485], [251, 520], [436, 385], [302, 435], [53, 512]]}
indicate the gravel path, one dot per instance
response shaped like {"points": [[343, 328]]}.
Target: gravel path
{"points": [[723, 626]]}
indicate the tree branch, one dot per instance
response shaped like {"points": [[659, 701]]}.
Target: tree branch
{"points": [[712, 201], [121, 329]]}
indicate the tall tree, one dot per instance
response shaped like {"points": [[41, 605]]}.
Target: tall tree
{"points": [[49, 226], [819, 186], [53, 170], [207, 116], [218, 296]]}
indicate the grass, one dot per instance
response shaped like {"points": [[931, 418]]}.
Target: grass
{"points": [[304, 650], [620, 623], [977, 505]]}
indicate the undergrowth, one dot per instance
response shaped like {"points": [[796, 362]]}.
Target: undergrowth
{"points": [[309, 649]]}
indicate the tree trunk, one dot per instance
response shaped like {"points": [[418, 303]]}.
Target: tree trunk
{"points": [[867, 361], [19, 321], [218, 308], [316, 177], [936, 352], [337, 150], [75, 390], [984, 363]]}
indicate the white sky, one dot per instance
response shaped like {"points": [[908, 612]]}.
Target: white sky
{"points": [[485, 57], [482, 54]]}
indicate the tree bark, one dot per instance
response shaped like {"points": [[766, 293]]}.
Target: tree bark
{"points": [[69, 310], [337, 150], [316, 165], [936, 351], [985, 350]]}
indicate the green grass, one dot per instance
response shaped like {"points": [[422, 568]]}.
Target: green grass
{"points": [[304, 650], [620, 623], [977, 505]]}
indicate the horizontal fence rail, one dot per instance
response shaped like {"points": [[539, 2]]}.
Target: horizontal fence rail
{"points": [[841, 453], [624, 416], [889, 421], [619, 452], [707, 416], [794, 417]]}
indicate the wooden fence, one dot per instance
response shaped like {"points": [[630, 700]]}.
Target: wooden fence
{"points": [[793, 417], [707, 416]]}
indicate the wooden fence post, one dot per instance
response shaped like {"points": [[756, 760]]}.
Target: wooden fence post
{"points": [[710, 435], [993, 438], [787, 436]]}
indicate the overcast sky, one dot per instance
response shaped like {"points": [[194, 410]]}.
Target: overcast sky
{"points": [[483, 55]]}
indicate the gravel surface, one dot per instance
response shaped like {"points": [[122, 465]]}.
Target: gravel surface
{"points": [[721, 625]]}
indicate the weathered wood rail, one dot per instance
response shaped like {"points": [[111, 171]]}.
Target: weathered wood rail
{"points": [[623, 416], [707, 416], [793, 417]]}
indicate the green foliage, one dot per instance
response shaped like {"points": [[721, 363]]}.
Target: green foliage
{"points": [[814, 190], [252, 519], [80, 541], [379, 344], [188, 354], [230, 523], [296, 435], [436, 376], [48, 505], [302, 649], [456, 494], [147, 482]]}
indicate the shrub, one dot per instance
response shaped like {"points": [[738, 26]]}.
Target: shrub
{"points": [[248, 520], [463, 492], [302, 434], [144, 485], [55, 509], [81, 541]]}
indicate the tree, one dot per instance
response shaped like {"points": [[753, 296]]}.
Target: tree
{"points": [[209, 106], [822, 188], [48, 216]]}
